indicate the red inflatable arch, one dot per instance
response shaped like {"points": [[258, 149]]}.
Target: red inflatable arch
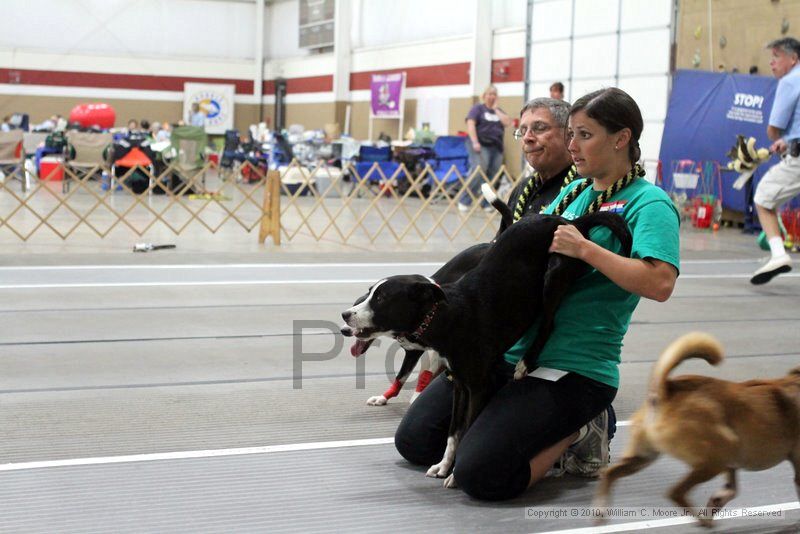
{"points": [[88, 115]]}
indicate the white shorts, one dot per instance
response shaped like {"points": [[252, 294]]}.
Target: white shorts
{"points": [[780, 184]]}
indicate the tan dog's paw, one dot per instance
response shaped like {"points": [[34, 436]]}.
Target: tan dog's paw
{"points": [[705, 522], [599, 513], [521, 370], [450, 482], [719, 499]]}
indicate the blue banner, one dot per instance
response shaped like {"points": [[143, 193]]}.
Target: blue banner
{"points": [[706, 112]]}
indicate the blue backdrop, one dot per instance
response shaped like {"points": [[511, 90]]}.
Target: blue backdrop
{"points": [[706, 112]]}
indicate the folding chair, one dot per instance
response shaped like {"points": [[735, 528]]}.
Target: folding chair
{"points": [[12, 157], [451, 156], [31, 141], [134, 157], [86, 151], [188, 144], [368, 158]]}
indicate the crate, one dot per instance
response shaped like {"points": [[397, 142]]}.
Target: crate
{"points": [[685, 180]]}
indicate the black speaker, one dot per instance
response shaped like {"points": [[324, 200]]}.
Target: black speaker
{"points": [[280, 104]]}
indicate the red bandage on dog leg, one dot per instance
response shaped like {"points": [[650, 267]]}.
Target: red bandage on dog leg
{"points": [[423, 380], [393, 390]]}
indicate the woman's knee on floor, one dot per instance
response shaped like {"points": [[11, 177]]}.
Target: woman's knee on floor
{"points": [[491, 476], [416, 444]]}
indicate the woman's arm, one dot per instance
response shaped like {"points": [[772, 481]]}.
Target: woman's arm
{"points": [[473, 135], [505, 120], [650, 278]]}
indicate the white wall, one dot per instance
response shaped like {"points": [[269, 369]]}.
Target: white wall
{"points": [[508, 13], [586, 53], [282, 31], [146, 28], [386, 22]]}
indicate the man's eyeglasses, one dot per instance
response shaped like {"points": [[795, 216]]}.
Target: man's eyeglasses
{"points": [[537, 128]]}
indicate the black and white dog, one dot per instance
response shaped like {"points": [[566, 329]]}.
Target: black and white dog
{"points": [[473, 321], [450, 272]]}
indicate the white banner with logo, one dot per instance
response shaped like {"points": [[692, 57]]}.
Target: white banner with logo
{"points": [[215, 102]]}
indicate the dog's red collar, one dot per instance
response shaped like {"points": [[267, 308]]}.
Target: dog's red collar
{"points": [[426, 322]]}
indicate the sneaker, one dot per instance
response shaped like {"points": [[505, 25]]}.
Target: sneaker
{"points": [[462, 207], [558, 468], [771, 269], [590, 452]]}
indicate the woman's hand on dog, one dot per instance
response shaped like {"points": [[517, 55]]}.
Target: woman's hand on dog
{"points": [[569, 241]]}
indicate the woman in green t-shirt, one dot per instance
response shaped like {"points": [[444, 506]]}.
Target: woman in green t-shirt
{"points": [[561, 410]]}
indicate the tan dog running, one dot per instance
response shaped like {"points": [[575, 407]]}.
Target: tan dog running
{"points": [[713, 425]]}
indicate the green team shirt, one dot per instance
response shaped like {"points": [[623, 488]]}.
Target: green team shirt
{"points": [[594, 315]]}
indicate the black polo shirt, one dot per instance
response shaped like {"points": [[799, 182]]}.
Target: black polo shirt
{"points": [[541, 197]]}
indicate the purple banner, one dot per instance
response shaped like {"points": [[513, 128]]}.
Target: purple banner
{"points": [[387, 94]]}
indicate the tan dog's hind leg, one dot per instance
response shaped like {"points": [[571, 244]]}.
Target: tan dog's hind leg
{"points": [[695, 477], [724, 495], [627, 466], [795, 459], [638, 455]]}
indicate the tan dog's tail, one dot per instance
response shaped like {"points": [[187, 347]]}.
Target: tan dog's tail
{"points": [[691, 345]]}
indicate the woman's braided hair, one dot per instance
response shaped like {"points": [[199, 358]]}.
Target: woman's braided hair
{"points": [[534, 185], [634, 173]]}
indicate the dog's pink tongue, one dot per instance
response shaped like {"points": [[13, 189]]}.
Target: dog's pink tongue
{"points": [[359, 347]]}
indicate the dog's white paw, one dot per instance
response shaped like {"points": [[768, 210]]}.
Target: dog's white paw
{"points": [[521, 370], [599, 513], [377, 400], [413, 397], [439, 470], [450, 482]]}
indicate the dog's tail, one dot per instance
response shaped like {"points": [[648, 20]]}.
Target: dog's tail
{"points": [[691, 345], [612, 221], [506, 217]]}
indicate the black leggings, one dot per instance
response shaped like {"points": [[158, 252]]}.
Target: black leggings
{"points": [[523, 418]]}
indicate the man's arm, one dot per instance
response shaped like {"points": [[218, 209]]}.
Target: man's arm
{"points": [[779, 145]]}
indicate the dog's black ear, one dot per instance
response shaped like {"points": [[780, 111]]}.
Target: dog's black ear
{"points": [[427, 290]]}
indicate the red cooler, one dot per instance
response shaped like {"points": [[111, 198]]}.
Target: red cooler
{"points": [[51, 169]]}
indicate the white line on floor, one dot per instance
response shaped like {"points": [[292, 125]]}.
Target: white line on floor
{"points": [[297, 282], [287, 265], [212, 453], [215, 266], [658, 523], [181, 455], [197, 283]]}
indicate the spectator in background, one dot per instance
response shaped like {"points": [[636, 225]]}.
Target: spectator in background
{"points": [[781, 183], [133, 125], [754, 69], [485, 125], [6, 124], [557, 91], [197, 117], [164, 133], [144, 125]]}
